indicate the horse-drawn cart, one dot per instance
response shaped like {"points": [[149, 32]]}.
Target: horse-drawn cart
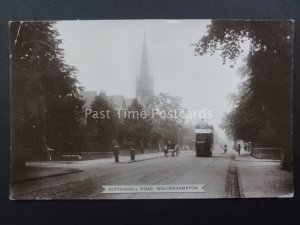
{"points": [[171, 149]]}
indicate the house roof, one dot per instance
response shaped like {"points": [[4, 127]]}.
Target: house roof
{"points": [[88, 97]]}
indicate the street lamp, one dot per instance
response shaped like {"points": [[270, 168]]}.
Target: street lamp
{"points": [[142, 145]]}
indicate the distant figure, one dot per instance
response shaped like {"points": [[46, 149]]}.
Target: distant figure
{"points": [[170, 145], [238, 149], [225, 149]]}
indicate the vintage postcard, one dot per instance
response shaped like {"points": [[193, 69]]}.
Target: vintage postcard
{"points": [[151, 109]]}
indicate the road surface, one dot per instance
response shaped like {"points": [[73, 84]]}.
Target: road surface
{"points": [[214, 172]]}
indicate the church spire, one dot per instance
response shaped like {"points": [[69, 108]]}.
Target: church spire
{"points": [[145, 77], [144, 86]]}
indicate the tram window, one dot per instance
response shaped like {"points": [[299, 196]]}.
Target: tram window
{"points": [[201, 136]]}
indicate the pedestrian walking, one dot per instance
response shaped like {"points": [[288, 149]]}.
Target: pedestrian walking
{"points": [[238, 149], [225, 149]]}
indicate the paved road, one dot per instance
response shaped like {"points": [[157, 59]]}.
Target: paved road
{"points": [[185, 169]]}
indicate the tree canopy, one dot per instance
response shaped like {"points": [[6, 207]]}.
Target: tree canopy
{"points": [[137, 130], [262, 110], [44, 98], [167, 127], [102, 131]]}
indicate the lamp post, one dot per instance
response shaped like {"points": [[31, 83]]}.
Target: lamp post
{"points": [[142, 145]]}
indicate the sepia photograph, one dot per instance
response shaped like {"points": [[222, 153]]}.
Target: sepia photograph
{"points": [[151, 109]]}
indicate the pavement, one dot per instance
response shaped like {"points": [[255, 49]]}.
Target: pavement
{"points": [[42, 169], [246, 157], [262, 178], [34, 173]]}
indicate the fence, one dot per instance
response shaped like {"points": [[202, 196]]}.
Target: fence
{"points": [[70, 156], [268, 153], [82, 156]]}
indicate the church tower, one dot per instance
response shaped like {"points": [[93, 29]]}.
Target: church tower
{"points": [[144, 82]]}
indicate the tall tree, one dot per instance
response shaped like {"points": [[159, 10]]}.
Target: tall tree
{"points": [[39, 81], [263, 112], [137, 125], [167, 125], [102, 123]]}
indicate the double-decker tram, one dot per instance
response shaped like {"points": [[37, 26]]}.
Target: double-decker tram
{"points": [[204, 139]]}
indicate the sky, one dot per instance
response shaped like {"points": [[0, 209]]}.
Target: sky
{"points": [[107, 54]]}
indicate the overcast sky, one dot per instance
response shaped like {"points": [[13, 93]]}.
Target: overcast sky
{"points": [[107, 55]]}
